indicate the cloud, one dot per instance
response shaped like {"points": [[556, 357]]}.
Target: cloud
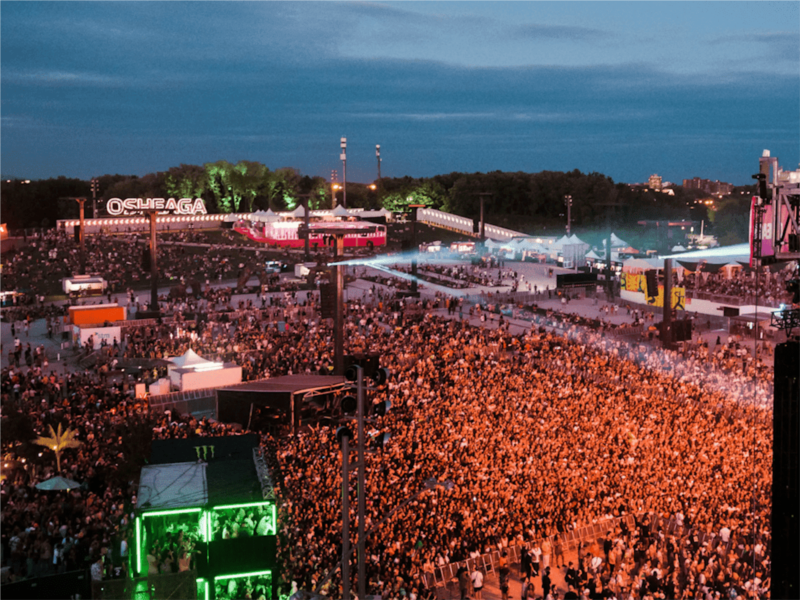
{"points": [[777, 45], [537, 31], [62, 78]]}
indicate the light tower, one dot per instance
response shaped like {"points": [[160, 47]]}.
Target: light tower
{"points": [[343, 157]]}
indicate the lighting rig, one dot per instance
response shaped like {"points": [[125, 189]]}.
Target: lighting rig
{"points": [[775, 229]]}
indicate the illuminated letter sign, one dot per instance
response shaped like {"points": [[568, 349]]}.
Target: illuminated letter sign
{"points": [[183, 206]]}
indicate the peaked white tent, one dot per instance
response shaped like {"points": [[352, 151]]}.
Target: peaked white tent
{"points": [[193, 372], [189, 359], [340, 211]]}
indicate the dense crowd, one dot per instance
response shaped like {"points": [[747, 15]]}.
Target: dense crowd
{"points": [[39, 266], [540, 435], [771, 287], [541, 432]]}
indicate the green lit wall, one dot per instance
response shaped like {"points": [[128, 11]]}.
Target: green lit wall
{"points": [[199, 519]]}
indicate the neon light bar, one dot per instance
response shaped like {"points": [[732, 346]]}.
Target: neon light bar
{"points": [[238, 575], [138, 545], [246, 505], [176, 511]]}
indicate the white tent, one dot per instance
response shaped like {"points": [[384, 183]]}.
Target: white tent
{"points": [[616, 242], [560, 242], [298, 212], [189, 359], [574, 239], [340, 211]]}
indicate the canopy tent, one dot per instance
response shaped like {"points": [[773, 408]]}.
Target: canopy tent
{"points": [[643, 264], [57, 483], [560, 242], [593, 255], [574, 239], [298, 212], [718, 255], [340, 211], [189, 359], [174, 485], [616, 242], [678, 248]]}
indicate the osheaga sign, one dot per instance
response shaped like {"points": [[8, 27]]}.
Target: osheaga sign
{"points": [[182, 206]]}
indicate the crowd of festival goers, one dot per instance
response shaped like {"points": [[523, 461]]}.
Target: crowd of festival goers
{"points": [[541, 433]]}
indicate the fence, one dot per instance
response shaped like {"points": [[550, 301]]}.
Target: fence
{"points": [[489, 562], [732, 300], [156, 587]]}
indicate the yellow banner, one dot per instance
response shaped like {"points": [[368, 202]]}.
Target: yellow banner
{"points": [[678, 298], [632, 282]]}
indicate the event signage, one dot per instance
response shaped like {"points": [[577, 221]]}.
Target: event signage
{"points": [[182, 206]]}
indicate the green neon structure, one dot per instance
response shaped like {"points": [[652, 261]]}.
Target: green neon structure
{"points": [[175, 511], [240, 575]]}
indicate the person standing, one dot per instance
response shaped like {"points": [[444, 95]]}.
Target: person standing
{"points": [[477, 582], [525, 564], [546, 583], [547, 550], [504, 574], [463, 582], [536, 557], [558, 551]]}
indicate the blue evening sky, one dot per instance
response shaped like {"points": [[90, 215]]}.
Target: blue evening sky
{"points": [[627, 89]]}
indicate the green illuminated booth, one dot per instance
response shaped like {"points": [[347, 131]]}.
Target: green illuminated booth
{"points": [[218, 508]]}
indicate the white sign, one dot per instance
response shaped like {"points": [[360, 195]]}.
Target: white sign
{"points": [[182, 206]]}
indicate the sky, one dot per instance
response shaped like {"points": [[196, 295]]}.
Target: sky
{"points": [[627, 89]]}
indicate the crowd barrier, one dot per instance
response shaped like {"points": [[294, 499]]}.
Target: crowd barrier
{"points": [[167, 585], [489, 562]]}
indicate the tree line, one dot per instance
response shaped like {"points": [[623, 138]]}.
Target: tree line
{"points": [[519, 200]]}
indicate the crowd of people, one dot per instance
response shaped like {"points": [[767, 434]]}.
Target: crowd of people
{"points": [[39, 266], [542, 432], [741, 283]]}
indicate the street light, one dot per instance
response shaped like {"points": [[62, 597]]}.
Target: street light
{"points": [[334, 188], [95, 189], [568, 202]]}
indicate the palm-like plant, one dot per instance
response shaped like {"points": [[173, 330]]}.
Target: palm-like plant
{"points": [[58, 442]]}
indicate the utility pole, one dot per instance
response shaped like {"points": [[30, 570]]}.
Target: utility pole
{"points": [[344, 436], [568, 202], [343, 157], [415, 247], [306, 225], [362, 492], [153, 313], [95, 189], [338, 319], [82, 235], [482, 195]]}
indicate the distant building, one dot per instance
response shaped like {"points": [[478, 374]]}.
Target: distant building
{"points": [[717, 187], [654, 182]]}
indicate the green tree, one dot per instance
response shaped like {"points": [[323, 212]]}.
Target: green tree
{"points": [[186, 181], [732, 220]]}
